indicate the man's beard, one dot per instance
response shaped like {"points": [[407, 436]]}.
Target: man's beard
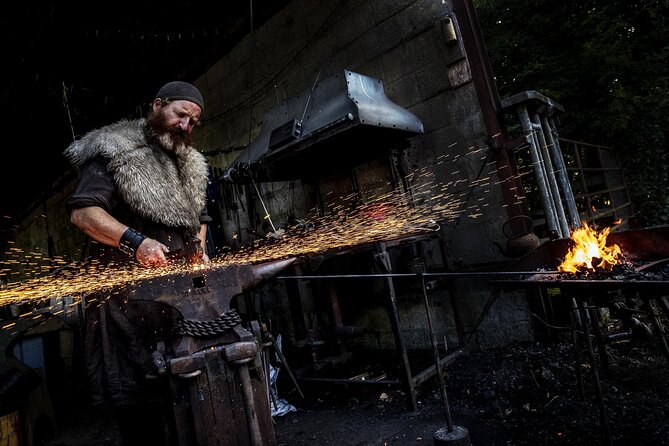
{"points": [[171, 138]]}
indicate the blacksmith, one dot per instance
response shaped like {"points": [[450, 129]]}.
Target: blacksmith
{"points": [[141, 195]]}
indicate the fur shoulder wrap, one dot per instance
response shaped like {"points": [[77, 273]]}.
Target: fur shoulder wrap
{"points": [[169, 189]]}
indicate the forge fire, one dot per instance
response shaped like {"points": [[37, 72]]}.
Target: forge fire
{"points": [[590, 252]]}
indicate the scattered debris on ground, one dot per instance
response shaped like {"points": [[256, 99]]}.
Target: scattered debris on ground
{"points": [[519, 395], [524, 394]]}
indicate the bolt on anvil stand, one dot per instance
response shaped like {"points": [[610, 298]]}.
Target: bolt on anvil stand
{"points": [[217, 379]]}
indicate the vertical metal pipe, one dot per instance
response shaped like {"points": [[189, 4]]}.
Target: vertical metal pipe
{"points": [[397, 332], [437, 362], [550, 176], [546, 200], [550, 130]]}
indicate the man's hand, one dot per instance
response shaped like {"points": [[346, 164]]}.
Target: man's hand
{"points": [[151, 253]]}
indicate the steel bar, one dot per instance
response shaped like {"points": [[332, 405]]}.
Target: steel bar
{"points": [[385, 383], [549, 168], [284, 362], [429, 372], [437, 362], [658, 327], [604, 356], [595, 374], [535, 154], [547, 317], [550, 130], [427, 274], [578, 354], [663, 301], [397, 333]]}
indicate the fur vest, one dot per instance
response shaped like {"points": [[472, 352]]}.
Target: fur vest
{"points": [[162, 187]]}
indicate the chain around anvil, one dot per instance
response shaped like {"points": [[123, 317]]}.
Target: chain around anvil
{"points": [[195, 328]]}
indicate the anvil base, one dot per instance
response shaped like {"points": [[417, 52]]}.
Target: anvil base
{"points": [[224, 403]]}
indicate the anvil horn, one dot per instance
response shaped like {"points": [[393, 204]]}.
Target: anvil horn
{"points": [[268, 270]]}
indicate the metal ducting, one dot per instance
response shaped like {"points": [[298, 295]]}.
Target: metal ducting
{"points": [[341, 122]]}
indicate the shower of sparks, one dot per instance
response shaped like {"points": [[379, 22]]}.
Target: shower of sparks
{"points": [[387, 216]]}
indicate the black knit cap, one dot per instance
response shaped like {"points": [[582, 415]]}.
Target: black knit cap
{"points": [[181, 90]]}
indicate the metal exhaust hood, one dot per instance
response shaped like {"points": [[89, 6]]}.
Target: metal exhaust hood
{"points": [[343, 121]]}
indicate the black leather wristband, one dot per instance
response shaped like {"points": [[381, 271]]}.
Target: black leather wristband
{"points": [[130, 241]]}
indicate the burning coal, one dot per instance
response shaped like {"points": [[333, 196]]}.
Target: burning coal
{"points": [[590, 252]]}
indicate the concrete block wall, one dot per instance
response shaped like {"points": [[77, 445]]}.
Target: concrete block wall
{"points": [[401, 43]]}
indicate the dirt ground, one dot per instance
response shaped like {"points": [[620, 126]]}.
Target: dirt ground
{"points": [[518, 395]]}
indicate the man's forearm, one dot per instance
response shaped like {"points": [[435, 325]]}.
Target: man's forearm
{"points": [[98, 225]]}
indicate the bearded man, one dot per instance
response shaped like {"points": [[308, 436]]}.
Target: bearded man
{"points": [[141, 195]]}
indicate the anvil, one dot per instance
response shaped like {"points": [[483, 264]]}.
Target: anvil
{"points": [[205, 295], [209, 369]]}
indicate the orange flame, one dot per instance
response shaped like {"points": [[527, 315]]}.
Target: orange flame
{"points": [[590, 247]]}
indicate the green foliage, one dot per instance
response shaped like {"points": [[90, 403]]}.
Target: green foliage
{"points": [[606, 62]]}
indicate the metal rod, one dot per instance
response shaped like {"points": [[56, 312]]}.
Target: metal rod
{"points": [[542, 298], [437, 362], [269, 218], [539, 174], [429, 372], [550, 131], [595, 374], [397, 331], [658, 327], [664, 304], [451, 274], [385, 383], [592, 311], [578, 354], [537, 165], [550, 176], [284, 362]]}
